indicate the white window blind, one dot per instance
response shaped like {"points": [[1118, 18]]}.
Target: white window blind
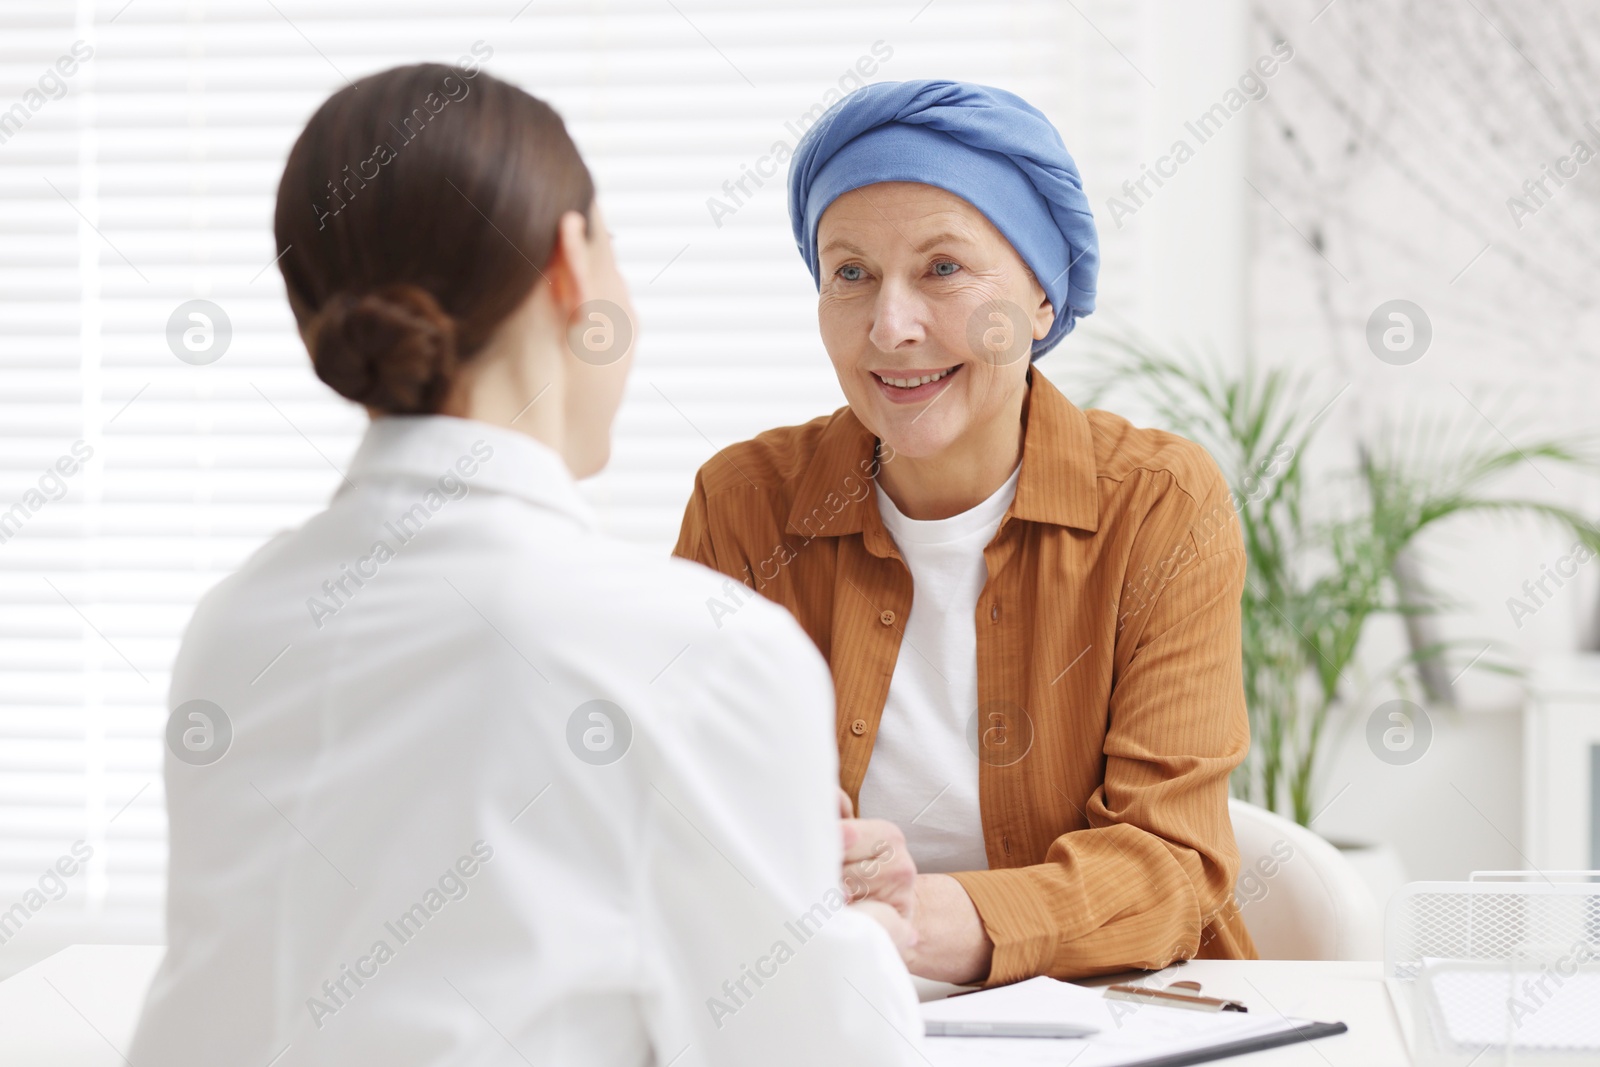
{"points": [[146, 179]]}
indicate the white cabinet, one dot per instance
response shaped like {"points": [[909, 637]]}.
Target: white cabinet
{"points": [[1561, 764]]}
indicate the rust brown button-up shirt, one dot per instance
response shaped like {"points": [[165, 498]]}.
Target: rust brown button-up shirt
{"points": [[1110, 691]]}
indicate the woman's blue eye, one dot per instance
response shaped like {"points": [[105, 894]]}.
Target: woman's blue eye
{"points": [[939, 268], [844, 272]]}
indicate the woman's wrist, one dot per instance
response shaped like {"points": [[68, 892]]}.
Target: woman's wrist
{"points": [[952, 944]]}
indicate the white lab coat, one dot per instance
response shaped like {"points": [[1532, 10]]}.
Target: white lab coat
{"points": [[417, 847]]}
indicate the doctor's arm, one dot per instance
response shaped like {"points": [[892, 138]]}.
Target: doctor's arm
{"points": [[742, 862]]}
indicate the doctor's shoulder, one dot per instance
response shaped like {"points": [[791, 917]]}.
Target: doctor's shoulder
{"points": [[223, 599], [596, 586], [718, 624], [665, 593]]}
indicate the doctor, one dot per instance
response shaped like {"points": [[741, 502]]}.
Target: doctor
{"points": [[452, 776]]}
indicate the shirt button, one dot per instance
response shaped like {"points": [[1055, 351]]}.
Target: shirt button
{"points": [[858, 727], [887, 618]]}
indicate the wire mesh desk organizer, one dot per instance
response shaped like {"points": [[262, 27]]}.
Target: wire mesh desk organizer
{"points": [[1501, 969]]}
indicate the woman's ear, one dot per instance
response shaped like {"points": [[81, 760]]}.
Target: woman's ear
{"points": [[1044, 313], [570, 272]]}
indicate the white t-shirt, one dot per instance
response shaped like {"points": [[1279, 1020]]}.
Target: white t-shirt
{"points": [[923, 775]]}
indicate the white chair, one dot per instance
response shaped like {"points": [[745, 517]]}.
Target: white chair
{"points": [[1301, 899]]}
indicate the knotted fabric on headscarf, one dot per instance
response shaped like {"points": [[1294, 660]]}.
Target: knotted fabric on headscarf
{"points": [[987, 146]]}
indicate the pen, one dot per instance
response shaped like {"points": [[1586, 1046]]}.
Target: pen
{"points": [[1168, 998], [941, 1028]]}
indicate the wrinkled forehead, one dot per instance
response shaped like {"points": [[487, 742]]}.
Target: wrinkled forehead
{"points": [[885, 218]]}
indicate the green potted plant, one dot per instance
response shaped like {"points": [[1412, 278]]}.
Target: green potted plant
{"points": [[1314, 581]]}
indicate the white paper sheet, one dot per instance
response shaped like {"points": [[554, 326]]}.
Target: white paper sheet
{"points": [[1126, 1032]]}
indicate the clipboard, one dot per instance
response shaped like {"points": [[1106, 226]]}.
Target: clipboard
{"points": [[1306, 1031], [1187, 995], [1142, 1031]]}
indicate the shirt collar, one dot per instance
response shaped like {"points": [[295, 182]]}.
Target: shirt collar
{"points": [[427, 447], [1057, 482]]}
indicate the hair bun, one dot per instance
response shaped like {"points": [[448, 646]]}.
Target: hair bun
{"points": [[393, 348]]}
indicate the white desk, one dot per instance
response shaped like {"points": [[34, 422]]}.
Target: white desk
{"points": [[78, 1008]]}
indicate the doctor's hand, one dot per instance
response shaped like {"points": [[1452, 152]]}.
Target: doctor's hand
{"points": [[902, 933], [940, 935], [878, 869]]}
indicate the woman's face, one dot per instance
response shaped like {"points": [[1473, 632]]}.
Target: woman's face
{"points": [[927, 312], [601, 340]]}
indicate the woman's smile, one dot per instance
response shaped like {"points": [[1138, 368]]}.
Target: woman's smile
{"points": [[910, 386]]}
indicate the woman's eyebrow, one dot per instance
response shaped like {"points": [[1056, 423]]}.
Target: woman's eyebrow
{"points": [[840, 242], [947, 237]]}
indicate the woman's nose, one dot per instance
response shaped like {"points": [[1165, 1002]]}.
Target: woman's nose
{"points": [[898, 318]]}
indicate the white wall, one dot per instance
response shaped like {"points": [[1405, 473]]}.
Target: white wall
{"points": [[1380, 164], [1393, 142], [1173, 253]]}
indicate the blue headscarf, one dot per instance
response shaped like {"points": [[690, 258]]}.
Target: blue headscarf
{"points": [[987, 146]]}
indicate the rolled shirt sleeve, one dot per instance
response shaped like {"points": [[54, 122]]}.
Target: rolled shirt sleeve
{"points": [[1156, 866]]}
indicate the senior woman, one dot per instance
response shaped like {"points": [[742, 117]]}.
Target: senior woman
{"points": [[1031, 611]]}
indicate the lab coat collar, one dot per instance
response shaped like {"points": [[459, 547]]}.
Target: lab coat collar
{"points": [[427, 447]]}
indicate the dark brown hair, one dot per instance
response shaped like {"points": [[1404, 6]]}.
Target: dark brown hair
{"points": [[415, 213]]}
